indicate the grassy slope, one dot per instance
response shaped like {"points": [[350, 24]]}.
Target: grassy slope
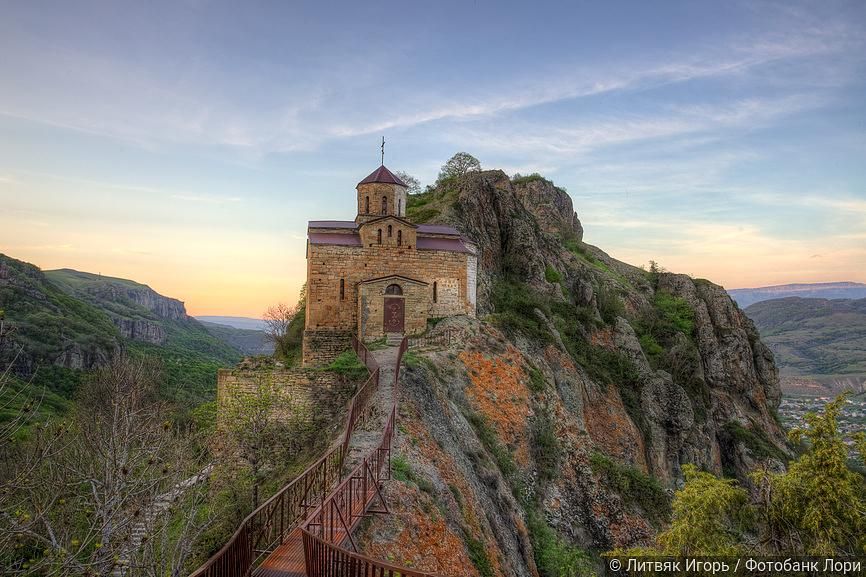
{"points": [[814, 336], [53, 311], [190, 354]]}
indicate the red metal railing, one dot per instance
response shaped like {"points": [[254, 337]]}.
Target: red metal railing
{"points": [[330, 527], [267, 527], [441, 339]]}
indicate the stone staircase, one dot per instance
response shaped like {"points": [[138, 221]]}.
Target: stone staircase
{"points": [[367, 437], [394, 339]]}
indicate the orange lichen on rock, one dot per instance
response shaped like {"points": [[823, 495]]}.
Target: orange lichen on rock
{"points": [[498, 391], [419, 536], [610, 427], [450, 474], [556, 357], [603, 338]]}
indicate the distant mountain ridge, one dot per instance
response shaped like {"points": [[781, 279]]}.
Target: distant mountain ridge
{"points": [[827, 290], [819, 340], [234, 322]]}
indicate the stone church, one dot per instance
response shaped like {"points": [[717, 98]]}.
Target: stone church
{"points": [[381, 274]]}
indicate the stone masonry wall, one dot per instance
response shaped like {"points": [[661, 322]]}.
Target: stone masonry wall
{"points": [[395, 194], [370, 236], [372, 301], [323, 346], [307, 396], [328, 264]]}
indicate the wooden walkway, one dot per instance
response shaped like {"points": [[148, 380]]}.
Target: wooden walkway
{"points": [[287, 560]]}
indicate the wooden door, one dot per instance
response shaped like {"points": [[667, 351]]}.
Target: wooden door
{"points": [[394, 314]]}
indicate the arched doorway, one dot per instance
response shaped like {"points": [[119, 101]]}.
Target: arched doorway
{"points": [[395, 309]]}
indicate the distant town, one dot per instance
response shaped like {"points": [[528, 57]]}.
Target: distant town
{"points": [[793, 409]]}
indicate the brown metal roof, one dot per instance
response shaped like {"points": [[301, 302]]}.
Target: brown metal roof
{"points": [[382, 174], [446, 244], [437, 229]]}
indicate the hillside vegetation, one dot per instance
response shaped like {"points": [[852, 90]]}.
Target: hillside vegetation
{"points": [[814, 337], [66, 323]]}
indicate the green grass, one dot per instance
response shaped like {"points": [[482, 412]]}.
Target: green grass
{"points": [[554, 556], [349, 365], [478, 556], [635, 487], [514, 305], [501, 455], [754, 440], [546, 449], [537, 382], [403, 472], [552, 275]]}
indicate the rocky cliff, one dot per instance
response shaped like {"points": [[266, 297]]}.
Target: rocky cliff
{"points": [[67, 322], [137, 310], [559, 420]]}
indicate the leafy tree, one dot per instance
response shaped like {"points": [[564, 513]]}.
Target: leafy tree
{"points": [[458, 165], [709, 516], [817, 507], [413, 184]]}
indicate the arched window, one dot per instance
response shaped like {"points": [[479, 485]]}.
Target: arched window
{"points": [[367, 205], [379, 236], [393, 289], [399, 237], [435, 291], [342, 289], [384, 205], [399, 207], [389, 231]]}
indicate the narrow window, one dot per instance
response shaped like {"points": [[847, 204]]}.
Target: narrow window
{"points": [[367, 205], [399, 237], [343, 289], [399, 207], [389, 231], [435, 291], [379, 236], [384, 205]]}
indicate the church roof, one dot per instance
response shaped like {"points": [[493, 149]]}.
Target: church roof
{"points": [[382, 174]]}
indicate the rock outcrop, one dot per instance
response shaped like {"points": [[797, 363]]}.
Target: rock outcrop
{"points": [[629, 373]]}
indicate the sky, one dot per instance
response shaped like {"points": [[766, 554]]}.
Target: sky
{"points": [[186, 144]]}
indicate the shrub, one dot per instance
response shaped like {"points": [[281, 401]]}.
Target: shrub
{"points": [[635, 487], [754, 440], [546, 449], [478, 556], [515, 305], [554, 556], [609, 304], [537, 382], [710, 516], [552, 275], [676, 311]]}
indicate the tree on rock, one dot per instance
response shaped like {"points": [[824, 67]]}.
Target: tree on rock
{"points": [[413, 185], [458, 165]]}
